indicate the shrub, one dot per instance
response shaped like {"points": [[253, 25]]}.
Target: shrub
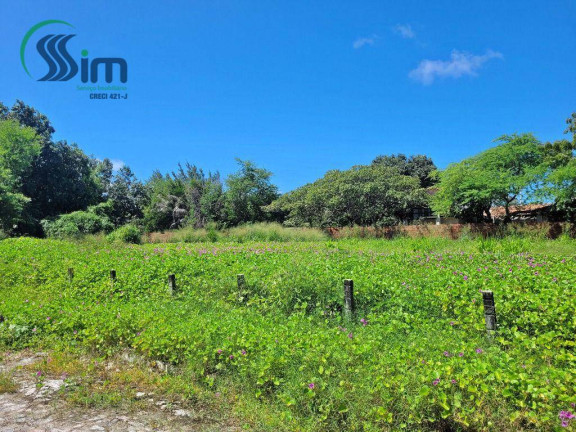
{"points": [[249, 232], [76, 224], [126, 234]]}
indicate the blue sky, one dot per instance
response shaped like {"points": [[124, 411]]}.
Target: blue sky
{"points": [[301, 87]]}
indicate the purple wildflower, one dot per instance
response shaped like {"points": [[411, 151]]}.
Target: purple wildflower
{"points": [[479, 351], [243, 352], [219, 351], [436, 381], [364, 321], [446, 354], [452, 323], [231, 357], [460, 354], [311, 386], [350, 335]]}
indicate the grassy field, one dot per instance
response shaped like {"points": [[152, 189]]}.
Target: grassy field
{"points": [[279, 354]]}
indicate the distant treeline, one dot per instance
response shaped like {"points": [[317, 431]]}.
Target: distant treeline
{"points": [[53, 188]]}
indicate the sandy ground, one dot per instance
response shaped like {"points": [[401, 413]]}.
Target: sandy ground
{"points": [[42, 409]]}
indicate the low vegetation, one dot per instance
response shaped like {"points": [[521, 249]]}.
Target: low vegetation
{"points": [[416, 356]]}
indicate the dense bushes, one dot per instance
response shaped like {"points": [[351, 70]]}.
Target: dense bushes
{"points": [[126, 234], [76, 224]]}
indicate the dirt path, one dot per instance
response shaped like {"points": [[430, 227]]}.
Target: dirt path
{"points": [[30, 408]]}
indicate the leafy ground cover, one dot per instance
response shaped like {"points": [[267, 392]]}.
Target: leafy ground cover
{"points": [[415, 357]]}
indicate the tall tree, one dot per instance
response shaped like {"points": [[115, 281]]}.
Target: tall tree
{"points": [[185, 197], [373, 195], [18, 147], [248, 191], [128, 197], [559, 183], [61, 177], [62, 180], [505, 174], [419, 166], [28, 116]]}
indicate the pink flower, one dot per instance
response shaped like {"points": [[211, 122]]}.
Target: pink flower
{"points": [[231, 357], [311, 386], [350, 335], [460, 354], [479, 351], [364, 321], [452, 323], [243, 352], [436, 381]]}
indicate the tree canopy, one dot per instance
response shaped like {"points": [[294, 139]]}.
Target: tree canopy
{"points": [[374, 195], [18, 148], [53, 187], [500, 176], [419, 166]]}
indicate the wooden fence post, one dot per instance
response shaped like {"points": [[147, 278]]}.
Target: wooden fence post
{"points": [[172, 283], [489, 310], [349, 307], [70, 274]]}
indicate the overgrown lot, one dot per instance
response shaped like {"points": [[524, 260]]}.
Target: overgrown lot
{"points": [[415, 357]]}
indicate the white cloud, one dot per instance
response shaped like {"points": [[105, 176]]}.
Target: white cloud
{"points": [[360, 42], [117, 164], [405, 30], [460, 64]]}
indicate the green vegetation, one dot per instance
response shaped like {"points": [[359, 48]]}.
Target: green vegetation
{"points": [[263, 231], [77, 224], [54, 189], [7, 384], [497, 176], [126, 234], [18, 146], [416, 356], [374, 195]]}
